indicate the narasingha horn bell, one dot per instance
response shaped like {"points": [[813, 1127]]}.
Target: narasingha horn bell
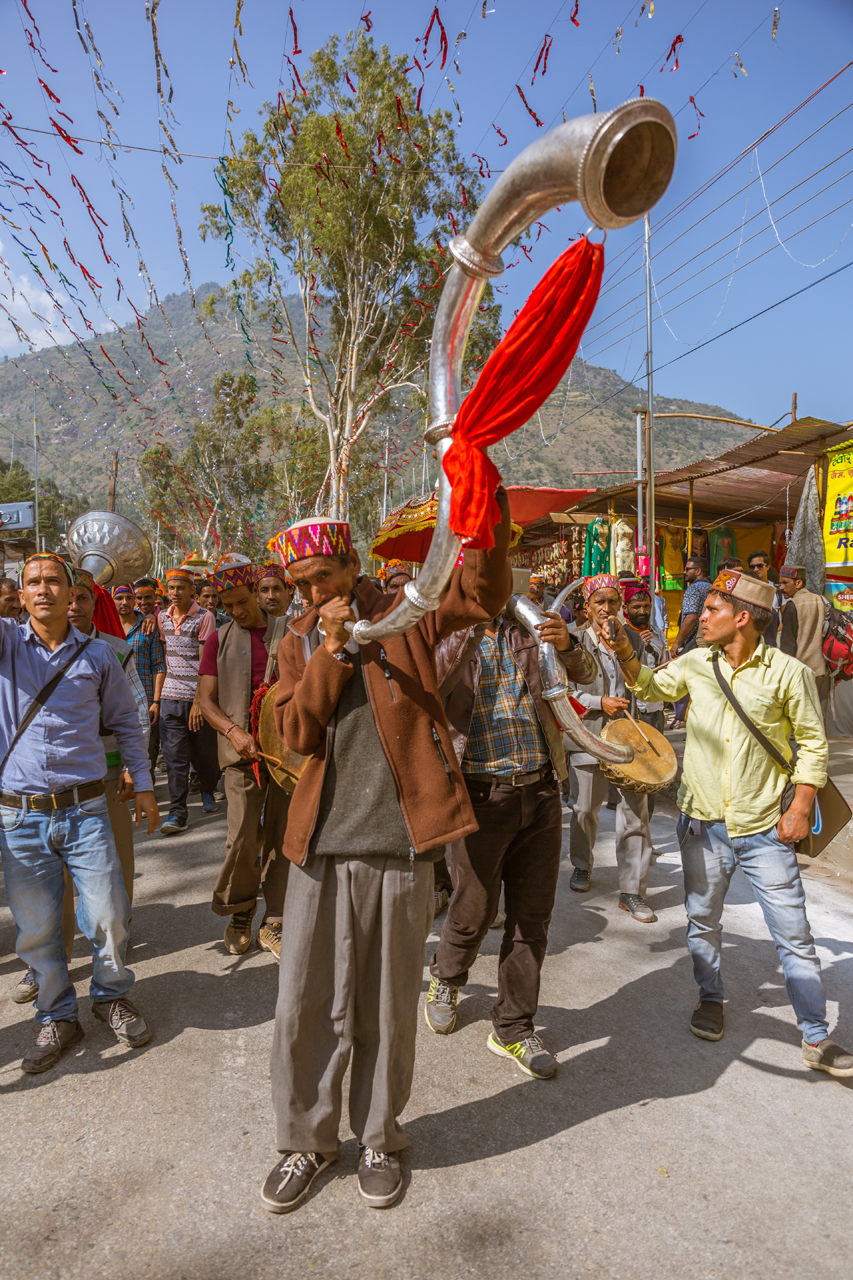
{"points": [[111, 547]]}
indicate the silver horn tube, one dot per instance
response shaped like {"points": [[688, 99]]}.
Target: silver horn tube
{"points": [[617, 165], [555, 687]]}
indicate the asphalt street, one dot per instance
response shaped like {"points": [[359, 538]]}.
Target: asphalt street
{"points": [[651, 1154]]}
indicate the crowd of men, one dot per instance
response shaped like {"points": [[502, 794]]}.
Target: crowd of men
{"points": [[433, 775]]}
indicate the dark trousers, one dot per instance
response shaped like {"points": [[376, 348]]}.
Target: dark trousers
{"points": [[154, 744], [183, 746], [518, 843]]}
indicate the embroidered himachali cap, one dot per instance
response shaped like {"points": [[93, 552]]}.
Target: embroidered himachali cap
{"points": [[236, 574], [793, 571], [83, 578], [741, 586], [180, 574], [316, 536], [269, 569], [600, 582], [48, 555]]}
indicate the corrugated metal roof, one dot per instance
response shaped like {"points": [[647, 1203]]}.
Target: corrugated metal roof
{"points": [[761, 479]]}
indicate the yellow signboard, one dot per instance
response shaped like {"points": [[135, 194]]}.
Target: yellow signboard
{"points": [[838, 516]]}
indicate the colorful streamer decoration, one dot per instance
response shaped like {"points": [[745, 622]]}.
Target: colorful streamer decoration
{"points": [[574, 15], [530, 110], [700, 115], [442, 38], [776, 16], [592, 92], [545, 50], [741, 67], [673, 49]]}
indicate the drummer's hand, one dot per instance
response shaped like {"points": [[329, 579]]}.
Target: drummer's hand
{"points": [[334, 613], [244, 744], [554, 631], [612, 706]]}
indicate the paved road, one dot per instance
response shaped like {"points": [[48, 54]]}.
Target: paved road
{"points": [[652, 1154]]}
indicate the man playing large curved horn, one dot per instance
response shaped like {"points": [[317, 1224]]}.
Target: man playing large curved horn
{"points": [[379, 798]]}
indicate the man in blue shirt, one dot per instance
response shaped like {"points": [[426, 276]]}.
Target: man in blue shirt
{"points": [[53, 809]]}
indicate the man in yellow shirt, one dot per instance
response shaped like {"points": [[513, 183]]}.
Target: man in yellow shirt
{"points": [[733, 787]]}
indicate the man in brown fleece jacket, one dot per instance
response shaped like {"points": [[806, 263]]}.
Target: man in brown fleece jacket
{"points": [[380, 796]]}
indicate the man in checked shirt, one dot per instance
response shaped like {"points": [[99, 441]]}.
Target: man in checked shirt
{"points": [[513, 762]]}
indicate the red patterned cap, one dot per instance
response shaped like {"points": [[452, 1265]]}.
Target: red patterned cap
{"points": [[317, 536]]}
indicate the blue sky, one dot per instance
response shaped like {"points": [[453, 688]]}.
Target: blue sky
{"points": [[702, 244]]}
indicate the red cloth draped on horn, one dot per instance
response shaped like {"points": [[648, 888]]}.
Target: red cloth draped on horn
{"points": [[106, 616], [517, 378]]}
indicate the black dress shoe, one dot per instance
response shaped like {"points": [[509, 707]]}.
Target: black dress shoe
{"points": [[52, 1041]]}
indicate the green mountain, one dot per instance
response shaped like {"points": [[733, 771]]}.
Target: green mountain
{"points": [[115, 398]]}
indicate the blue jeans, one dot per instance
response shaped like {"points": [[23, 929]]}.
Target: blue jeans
{"points": [[771, 868], [35, 847]]}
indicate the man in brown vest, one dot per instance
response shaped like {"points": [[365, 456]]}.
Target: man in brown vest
{"points": [[803, 616], [237, 660]]}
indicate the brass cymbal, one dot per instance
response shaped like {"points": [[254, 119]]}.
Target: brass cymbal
{"points": [[292, 763]]}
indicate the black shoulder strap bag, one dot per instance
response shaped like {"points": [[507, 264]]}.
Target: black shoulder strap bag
{"points": [[40, 699], [830, 813]]}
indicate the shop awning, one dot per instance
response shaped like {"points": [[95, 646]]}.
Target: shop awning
{"points": [[761, 479], [528, 504]]}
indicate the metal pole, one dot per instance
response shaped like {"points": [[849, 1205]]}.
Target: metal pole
{"points": [[385, 494], [690, 524], [111, 493], [650, 422], [36, 467], [641, 542]]}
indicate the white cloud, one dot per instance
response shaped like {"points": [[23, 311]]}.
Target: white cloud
{"points": [[31, 307]]}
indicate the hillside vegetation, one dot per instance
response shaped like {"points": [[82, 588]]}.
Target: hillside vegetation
{"points": [[80, 423]]}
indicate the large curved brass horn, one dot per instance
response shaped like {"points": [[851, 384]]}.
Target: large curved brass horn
{"points": [[617, 165], [555, 687]]}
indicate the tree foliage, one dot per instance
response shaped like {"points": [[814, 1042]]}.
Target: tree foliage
{"points": [[56, 510], [350, 193], [243, 474]]}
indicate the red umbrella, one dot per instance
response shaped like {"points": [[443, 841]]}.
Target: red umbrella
{"points": [[405, 534]]}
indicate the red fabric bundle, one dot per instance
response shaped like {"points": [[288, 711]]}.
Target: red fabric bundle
{"points": [[517, 378], [106, 616]]}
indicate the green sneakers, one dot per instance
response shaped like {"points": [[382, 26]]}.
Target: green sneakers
{"points": [[440, 1007], [530, 1054]]}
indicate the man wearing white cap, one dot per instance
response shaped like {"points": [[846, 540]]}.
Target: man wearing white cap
{"points": [[733, 786]]}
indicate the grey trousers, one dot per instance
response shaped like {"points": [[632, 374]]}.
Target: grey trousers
{"points": [[352, 962], [633, 846]]}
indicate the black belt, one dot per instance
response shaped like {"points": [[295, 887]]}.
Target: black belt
{"points": [[56, 800], [545, 774]]}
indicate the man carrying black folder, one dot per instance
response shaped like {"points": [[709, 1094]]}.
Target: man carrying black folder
{"points": [[733, 787]]}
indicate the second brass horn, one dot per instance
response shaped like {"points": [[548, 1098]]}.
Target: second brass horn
{"points": [[111, 547]]}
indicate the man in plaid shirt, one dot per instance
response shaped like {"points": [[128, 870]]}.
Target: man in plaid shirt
{"points": [[513, 761]]}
